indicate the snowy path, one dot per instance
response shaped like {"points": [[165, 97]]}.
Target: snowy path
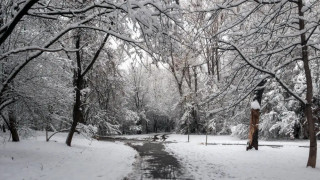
{"points": [[154, 161], [226, 157]]}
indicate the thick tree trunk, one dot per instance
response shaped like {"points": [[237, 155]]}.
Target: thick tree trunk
{"points": [[195, 118], [253, 129], [255, 115], [308, 110], [71, 132], [305, 129], [313, 140], [13, 127]]}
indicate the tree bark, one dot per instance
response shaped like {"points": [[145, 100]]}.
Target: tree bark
{"points": [[308, 110], [195, 76], [254, 119], [71, 132], [217, 61], [253, 129], [147, 131], [77, 114], [13, 127]]}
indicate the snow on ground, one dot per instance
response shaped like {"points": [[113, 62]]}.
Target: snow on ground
{"points": [[233, 161], [36, 159]]}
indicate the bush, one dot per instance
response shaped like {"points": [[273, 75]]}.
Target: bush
{"points": [[240, 130]]}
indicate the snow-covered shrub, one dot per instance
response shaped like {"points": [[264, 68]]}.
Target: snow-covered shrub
{"points": [[211, 126], [276, 101], [131, 116], [225, 129], [240, 130], [88, 131], [135, 128], [267, 120], [280, 117], [107, 124], [131, 119], [293, 105], [285, 126], [26, 132], [185, 120]]}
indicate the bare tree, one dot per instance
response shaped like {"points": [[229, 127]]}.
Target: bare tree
{"points": [[108, 17], [268, 42]]}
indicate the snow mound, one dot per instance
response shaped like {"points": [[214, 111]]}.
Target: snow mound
{"points": [[255, 105]]}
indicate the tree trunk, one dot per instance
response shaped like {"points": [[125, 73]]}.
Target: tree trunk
{"points": [[78, 81], [308, 110], [212, 59], [77, 113], [13, 127], [208, 67], [147, 127], [255, 115], [155, 129], [217, 61], [253, 131], [305, 129], [195, 76], [71, 132], [313, 140]]}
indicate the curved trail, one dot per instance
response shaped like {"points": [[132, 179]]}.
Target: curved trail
{"points": [[153, 161]]}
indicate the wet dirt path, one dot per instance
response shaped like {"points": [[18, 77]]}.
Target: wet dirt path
{"points": [[153, 161]]}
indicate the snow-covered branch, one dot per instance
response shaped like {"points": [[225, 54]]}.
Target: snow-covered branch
{"points": [[263, 70], [36, 48]]}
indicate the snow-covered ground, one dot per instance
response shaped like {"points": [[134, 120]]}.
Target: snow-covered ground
{"points": [[233, 161], [36, 159]]}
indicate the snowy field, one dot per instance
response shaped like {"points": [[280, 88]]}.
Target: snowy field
{"points": [[234, 162], [36, 159]]}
